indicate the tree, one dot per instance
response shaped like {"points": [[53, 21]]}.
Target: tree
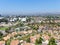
{"points": [[50, 19], [8, 42], [1, 35], [39, 41], [52, 41], [7, 29], [28, 19], [42, 23], [28, 40], [21, 24], [4, 20], [34, 27]]}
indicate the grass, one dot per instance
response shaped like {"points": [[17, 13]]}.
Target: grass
{"points": [[4, 28]]}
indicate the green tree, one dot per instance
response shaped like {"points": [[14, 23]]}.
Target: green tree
{"points": [[4, 20], [34, 27], [28, 40], [8, 42], [28, 19], [42, 23], [39, 41], [1, 36], [21, 24], [50, 19], [52, 41]]}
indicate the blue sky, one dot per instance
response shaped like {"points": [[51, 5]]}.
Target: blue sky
{"points": [[29, 6]]}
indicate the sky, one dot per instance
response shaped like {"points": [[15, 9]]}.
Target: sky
{"points": [[29, 6]]}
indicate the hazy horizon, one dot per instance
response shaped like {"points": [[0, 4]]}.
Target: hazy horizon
{"points": [[29, 6]]}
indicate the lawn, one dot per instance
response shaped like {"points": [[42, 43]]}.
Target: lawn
{"points": [[4, 28]]}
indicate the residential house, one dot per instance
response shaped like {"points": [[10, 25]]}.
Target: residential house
{"points": [[22, 19], [33, 38], [15, 42], [2, 42]]}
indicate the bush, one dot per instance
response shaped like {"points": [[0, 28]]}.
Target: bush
{"points": [[52, 41], [39, 41]]}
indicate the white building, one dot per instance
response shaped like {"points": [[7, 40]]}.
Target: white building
{"points": [[13, 19], [22, 19]]}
